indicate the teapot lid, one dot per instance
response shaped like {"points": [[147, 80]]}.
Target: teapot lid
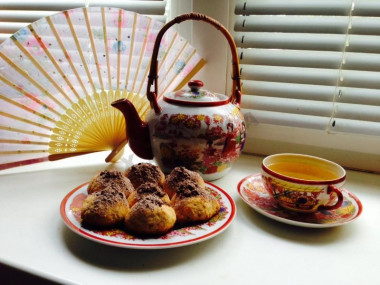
{"points": [[195, 96]]}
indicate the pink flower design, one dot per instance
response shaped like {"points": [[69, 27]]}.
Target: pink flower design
{"points": [[34, 47], [118, 19], [150, 43]]}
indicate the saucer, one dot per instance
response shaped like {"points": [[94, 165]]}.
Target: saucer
{"points": [[253, 192]]}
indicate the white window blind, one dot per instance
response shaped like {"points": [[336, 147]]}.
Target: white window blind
{"points": [[311, 64], [15, 14]]}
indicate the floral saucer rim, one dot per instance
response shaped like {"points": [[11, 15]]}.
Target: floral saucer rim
{"points": [[251, 189]]}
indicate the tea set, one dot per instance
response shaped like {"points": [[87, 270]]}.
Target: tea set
{"points": [[205, 132]]}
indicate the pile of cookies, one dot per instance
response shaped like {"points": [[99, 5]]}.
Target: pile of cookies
{"points": [[145, 202]]}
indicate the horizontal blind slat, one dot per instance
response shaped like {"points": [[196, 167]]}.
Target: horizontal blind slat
{"points": [[294, 7], [308, 24], [4, 36], [288, 90], [23, 16], [287, 57], [285, 119], [148, 6], [352, 95], [368, 8], [316, 76], [11, 27], [301, 24], [363, 96], [358, 112], [266, 113], [254, 116], [313, 7], [311, 59], [363, 43], [361, 79], [286, 105], [299, 41], [356, 127], [41, 5], [142, 7], [32, 16]]}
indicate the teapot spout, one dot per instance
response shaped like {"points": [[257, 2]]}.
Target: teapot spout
{"points": [[137, 131]]}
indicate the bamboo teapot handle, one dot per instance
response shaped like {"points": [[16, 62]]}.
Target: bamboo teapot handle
{"points": [[235, 97]]}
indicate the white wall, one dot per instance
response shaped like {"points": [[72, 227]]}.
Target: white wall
{"points": [[208, 41]]}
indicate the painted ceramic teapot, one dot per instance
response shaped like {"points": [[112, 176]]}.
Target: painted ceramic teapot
{"points": [[195, 128]]}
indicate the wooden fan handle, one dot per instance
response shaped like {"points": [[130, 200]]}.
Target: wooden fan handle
{"points": [[235, 97]]}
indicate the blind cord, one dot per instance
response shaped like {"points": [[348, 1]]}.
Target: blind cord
{"points": [[338, 93]]}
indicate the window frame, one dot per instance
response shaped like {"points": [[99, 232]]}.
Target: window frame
{"points": [[353, 151]]}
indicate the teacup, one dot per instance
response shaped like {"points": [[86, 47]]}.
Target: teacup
{"points": [[303, 183]]}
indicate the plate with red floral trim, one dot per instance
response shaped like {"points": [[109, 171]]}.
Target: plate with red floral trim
{"points": [[71, 207], [253, 192]]}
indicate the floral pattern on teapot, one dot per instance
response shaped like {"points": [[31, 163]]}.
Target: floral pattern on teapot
{"points": [[204, 143]]}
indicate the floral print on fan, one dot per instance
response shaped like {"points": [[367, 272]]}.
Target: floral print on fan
{"points": [[119, 46]]}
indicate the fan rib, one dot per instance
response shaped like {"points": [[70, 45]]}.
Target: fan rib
{"points": [[167, 51], [144, 107], [22, 91], [33, 81], [22, 162], [24, 120], [131, 52], [59, 40], [23, 142], [141, 56], [26, 108], [22, 151], [34, 133], [79, 49], [177, 74], [190, 75], [170, 68], [121, 14], [110, 95], [104, 120], [95, 54], [40, 68], [102, 106], [85, 107], [106, 48]]}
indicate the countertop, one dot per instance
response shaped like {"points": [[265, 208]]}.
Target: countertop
{"points": [[252, 250]]}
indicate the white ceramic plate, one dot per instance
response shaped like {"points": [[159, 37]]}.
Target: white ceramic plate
{"points": [[253, 192], [71, 208]]}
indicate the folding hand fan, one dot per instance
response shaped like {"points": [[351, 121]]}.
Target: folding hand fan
{"points": [[59, 75]]}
